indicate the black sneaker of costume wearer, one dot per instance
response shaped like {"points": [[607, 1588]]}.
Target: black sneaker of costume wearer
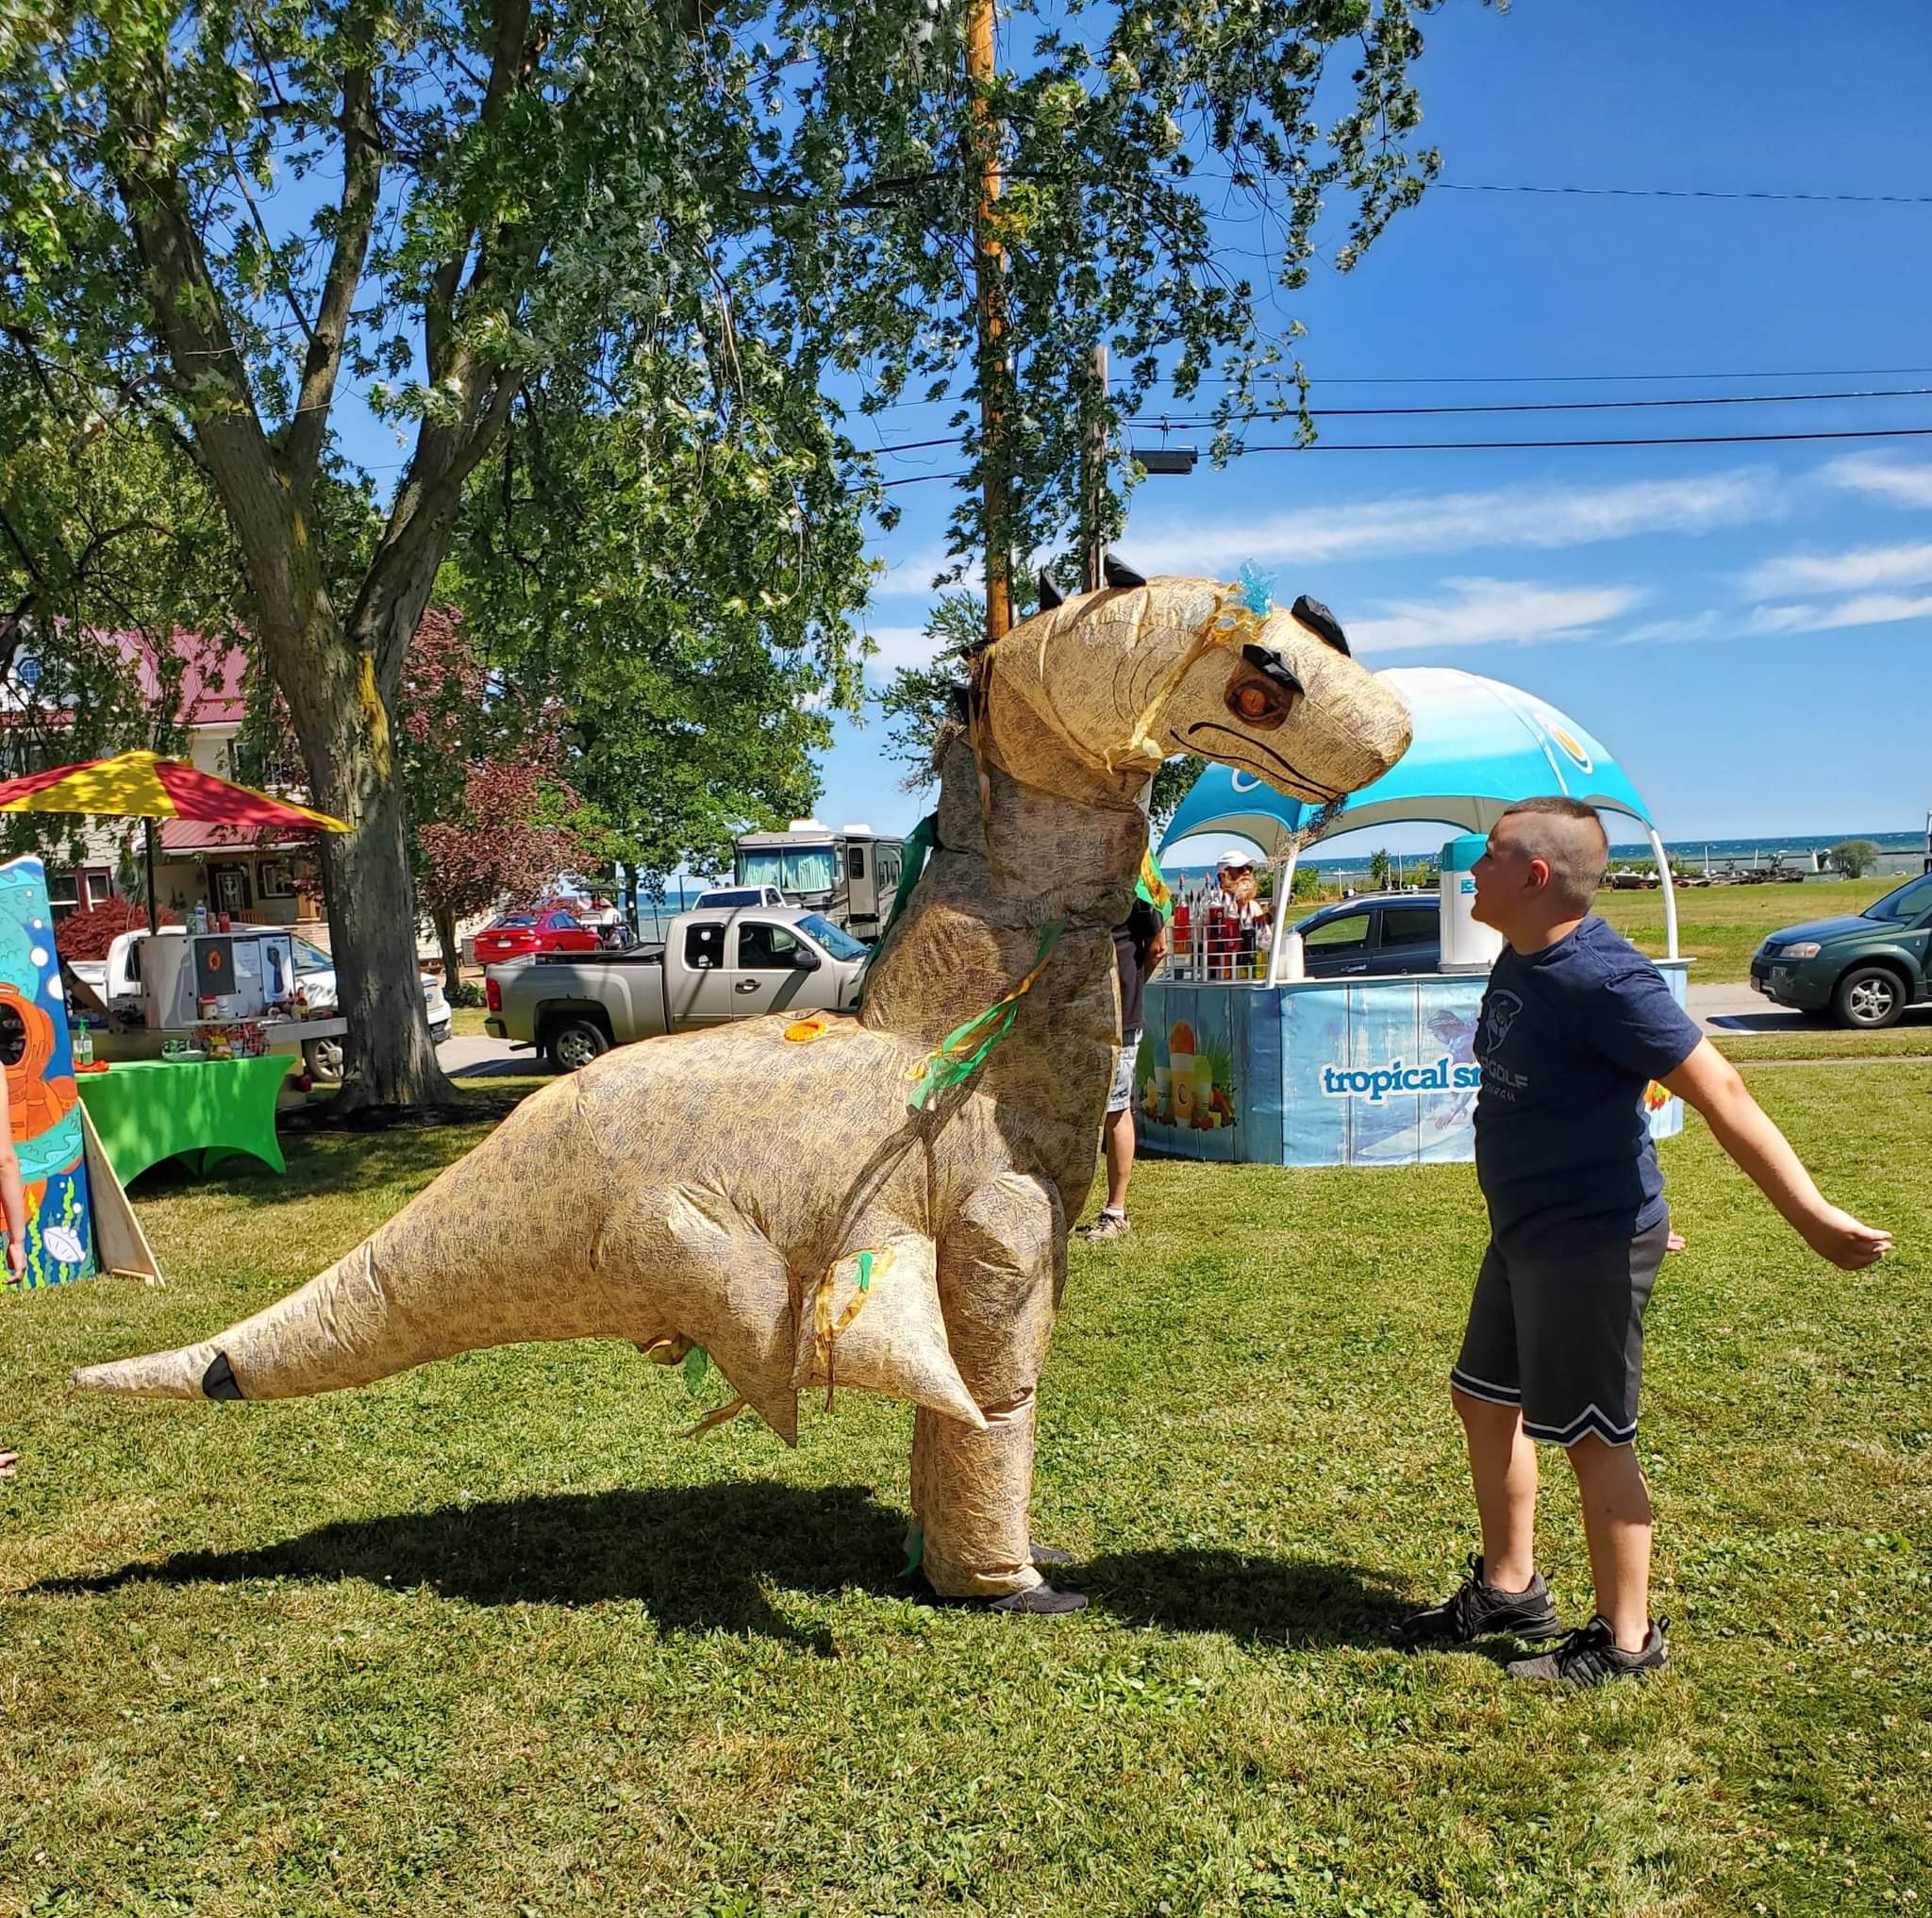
{"points": [[1569, 1039], [1592, 1657], [1477, 1610]]}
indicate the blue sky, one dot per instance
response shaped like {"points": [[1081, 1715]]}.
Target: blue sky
{"points": [[1745, 626]]}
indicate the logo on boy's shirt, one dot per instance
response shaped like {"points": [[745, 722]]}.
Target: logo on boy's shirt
{"points": [[1499, 1014]]}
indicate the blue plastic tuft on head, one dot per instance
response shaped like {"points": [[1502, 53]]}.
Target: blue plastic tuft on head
{"points": [[1257, 590]]}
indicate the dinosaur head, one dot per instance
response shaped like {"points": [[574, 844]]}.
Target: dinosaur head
{"points": [[1087, 698]]}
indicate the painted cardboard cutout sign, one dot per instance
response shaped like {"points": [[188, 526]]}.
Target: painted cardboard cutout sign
{"points": [[41, 1103]]}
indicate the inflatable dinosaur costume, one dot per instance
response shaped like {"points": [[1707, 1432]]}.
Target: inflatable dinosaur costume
{"points": [[880, 1201]]}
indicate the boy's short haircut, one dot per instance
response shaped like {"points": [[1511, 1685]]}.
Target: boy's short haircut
{"points": [[1570, 839]]}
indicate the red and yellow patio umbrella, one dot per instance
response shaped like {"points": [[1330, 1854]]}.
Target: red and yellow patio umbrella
{"points": [[144, 786]]}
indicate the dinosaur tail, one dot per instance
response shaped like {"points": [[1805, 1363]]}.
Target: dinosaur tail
{"points": [[485, 1256]]}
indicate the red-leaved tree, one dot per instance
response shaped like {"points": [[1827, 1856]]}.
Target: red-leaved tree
{"points": [[88, 934], [486, 785]]}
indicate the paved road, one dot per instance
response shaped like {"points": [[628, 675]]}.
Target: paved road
{"points": [[1739, 1009], [464, 1058]]}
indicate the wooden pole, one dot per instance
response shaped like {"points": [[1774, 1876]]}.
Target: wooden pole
{"points": [[990, 278], [1093, 484]]}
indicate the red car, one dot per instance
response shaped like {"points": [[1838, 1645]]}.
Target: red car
{"points": [[513, 935]]}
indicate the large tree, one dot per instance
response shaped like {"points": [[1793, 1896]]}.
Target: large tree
{"points": [[226, 216], [665, 569]]}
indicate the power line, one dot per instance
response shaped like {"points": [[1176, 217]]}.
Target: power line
{"points": [[1165, 421], [1506, 379], [1682, 194], [1517, 446], [1738, 399], [1520, 446], [1572, 378]]}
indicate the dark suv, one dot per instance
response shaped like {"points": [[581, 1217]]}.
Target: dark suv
{"points": [[1865, 970], [1391, 932]]}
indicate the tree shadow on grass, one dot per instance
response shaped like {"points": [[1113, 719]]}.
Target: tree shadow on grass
{"points": [[351, 1165], [1262, 1600], [697, 1557]]}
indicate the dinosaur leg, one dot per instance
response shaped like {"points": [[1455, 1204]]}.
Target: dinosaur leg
{"points": [[1002, 1263]]}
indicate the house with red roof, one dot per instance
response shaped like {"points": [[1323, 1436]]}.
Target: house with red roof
{"points": [[266, 881]]}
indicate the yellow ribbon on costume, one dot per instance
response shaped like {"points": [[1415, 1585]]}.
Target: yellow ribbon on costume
{"points": [[825, 1330]]}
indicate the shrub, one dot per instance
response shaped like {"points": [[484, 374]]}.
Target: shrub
{"points": [[1855, 857], [87, 935]]}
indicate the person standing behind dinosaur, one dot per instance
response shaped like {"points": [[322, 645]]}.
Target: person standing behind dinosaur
{"points": [[1575, 1025], [1140, 944]]}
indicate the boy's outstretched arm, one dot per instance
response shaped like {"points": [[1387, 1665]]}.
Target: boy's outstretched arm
{"points": [[1712, 1083]]}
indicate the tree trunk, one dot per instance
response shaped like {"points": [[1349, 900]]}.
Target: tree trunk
{"points": [[445, 924], [341, 715]]}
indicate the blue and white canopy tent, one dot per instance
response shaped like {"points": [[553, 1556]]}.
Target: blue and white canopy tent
{"points": [[1479, 746]]}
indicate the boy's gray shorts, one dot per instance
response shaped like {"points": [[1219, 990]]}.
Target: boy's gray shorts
{"points": [[1562, 1335], [1121, 1095]]}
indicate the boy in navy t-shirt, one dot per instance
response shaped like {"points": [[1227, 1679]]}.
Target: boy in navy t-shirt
{"points": [[1575, 1027]]}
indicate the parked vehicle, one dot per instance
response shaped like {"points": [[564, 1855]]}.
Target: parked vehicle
{"points": [[728, 897], [715, 966], [1864, 970], [1373, 937], [115, 981], [849, 876], [315, 973], [515, 935]]}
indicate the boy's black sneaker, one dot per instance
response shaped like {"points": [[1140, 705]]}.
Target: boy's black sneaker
{"points": [[1477, 1609], [1592, 1657]]}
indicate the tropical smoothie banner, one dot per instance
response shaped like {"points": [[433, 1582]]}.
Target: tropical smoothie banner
{"points": [[1325, 1073], [40, 1097]]}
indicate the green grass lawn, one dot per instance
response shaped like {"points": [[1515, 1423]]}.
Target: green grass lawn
{"points": [[466, 1022], [490, 1638], [1912, 1039], [1722, 925]]}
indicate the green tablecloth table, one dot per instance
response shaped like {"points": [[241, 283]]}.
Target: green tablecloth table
{"points": [[147, 1110]]}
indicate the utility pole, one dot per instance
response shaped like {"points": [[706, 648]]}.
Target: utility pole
{"points": [[1094, 483], [989, 276]]}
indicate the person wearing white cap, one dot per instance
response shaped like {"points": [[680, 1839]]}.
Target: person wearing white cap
{"points": [[1241, 908]]}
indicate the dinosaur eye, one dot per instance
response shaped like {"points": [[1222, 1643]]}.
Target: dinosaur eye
{"points": [[1259, 702]]}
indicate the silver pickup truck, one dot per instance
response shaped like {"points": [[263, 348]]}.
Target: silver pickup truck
{"points": [[712, 967]]}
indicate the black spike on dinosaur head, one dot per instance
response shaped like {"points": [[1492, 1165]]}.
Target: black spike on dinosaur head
{"points": [[1321, 622], [1050, 594], [1116, 574]]}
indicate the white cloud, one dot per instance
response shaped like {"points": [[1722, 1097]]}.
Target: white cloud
{"points": [[1677, 630], [1898, 482], [912, 578], [1865, 609], [1492, 612], [1849, 572], [899, 646], [1535, 516]]}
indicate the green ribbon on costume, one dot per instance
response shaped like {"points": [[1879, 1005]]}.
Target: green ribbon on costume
{"points": [[865, 1272], [915, 1550], [697, 1362], [913, 855], [964, 1050]]}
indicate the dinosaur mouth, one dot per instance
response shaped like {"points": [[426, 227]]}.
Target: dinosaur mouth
{"points": [[1304, 787]]}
